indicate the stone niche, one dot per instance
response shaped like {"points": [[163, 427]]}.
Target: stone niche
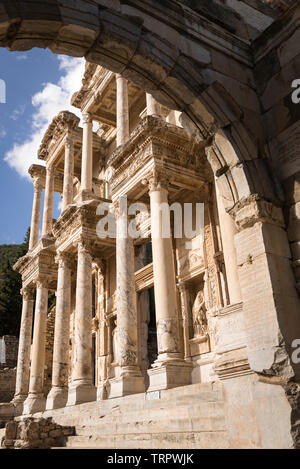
{"points": [[197, 316]]}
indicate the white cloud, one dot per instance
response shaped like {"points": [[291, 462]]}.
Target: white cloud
{"points": [[17, 113], [2, 132], [22, 57], [48, 102]]}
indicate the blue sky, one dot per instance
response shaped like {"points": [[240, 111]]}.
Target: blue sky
{"points": [[39, 84]]}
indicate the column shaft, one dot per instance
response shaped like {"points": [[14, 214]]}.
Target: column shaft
{"points": [[48, 203], [68, 173], [130, 380], [169, 370], [228, 231], [23, 366], [82, 388], [164, 277], [36, 214], [122, 110], [58, 395], [36, 401], [87, 154]]}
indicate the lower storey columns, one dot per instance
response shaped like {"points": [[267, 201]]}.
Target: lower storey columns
{"points": [[170, 369], [129, 379], [22, 379], [36, 401], [81, 388], [58, 395]]}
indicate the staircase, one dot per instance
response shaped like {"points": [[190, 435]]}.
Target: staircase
{"points": [[188, 417]]}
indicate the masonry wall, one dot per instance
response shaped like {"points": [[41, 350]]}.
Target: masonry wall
{"points": [[7, 384]]}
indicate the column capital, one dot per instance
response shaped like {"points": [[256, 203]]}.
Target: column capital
{"points": [[157, 180], [42, 282], [28, 292], [37, 185], [64, 260], [50, 170], [86, 118], [85, 245]]}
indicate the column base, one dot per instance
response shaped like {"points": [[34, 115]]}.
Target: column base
{"points": [[80, 393], [125, 385], [57, 398], [34, 403], [167, 375], [18, 403]]}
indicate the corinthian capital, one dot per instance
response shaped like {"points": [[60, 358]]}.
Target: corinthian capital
{"points": [[37, 186], [64, 260], [28, 293], [86, 118], [42, 282], [158, 180], [85, 246]]}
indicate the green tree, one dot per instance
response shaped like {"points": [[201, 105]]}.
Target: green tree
{"points": [[10, 286]]}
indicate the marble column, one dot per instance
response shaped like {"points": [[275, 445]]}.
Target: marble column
{"points": [[87, 154], [58, 394], [82, 388], [36, 214], [130, 380], [36, 400], [228, 231], [122, 110], [48, 203], [184, 300], [23, 366], [169, 370], [153, 107], [68, 173]]}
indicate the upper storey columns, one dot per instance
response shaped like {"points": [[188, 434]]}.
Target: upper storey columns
{"points": [[48, 203], [68, 172], [87, 154], [153, 107], [122, 110], [36, 214]]}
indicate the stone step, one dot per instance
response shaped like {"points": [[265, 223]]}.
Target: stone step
{"points": [[177, 424], [162, 440], [161, 414]]}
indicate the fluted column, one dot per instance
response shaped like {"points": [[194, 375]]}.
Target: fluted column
{"points": [[130, 380], [153, 107], [36, 401], [23, 366], [58, 395], [169, 370], [48, 203], [36, 214], [122, 110], [228, 232], [82, 388], [68, 173]]}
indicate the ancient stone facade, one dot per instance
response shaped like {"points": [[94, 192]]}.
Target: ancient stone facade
{"points": [[203, 115]]}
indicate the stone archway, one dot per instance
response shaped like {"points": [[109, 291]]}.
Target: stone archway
{"points": [[221, 109]]}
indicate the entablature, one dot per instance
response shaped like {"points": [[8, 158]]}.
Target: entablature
{"points": [[154, 143]]}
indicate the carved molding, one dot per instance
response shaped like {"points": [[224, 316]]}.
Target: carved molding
{"points": [[253, 209]]}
